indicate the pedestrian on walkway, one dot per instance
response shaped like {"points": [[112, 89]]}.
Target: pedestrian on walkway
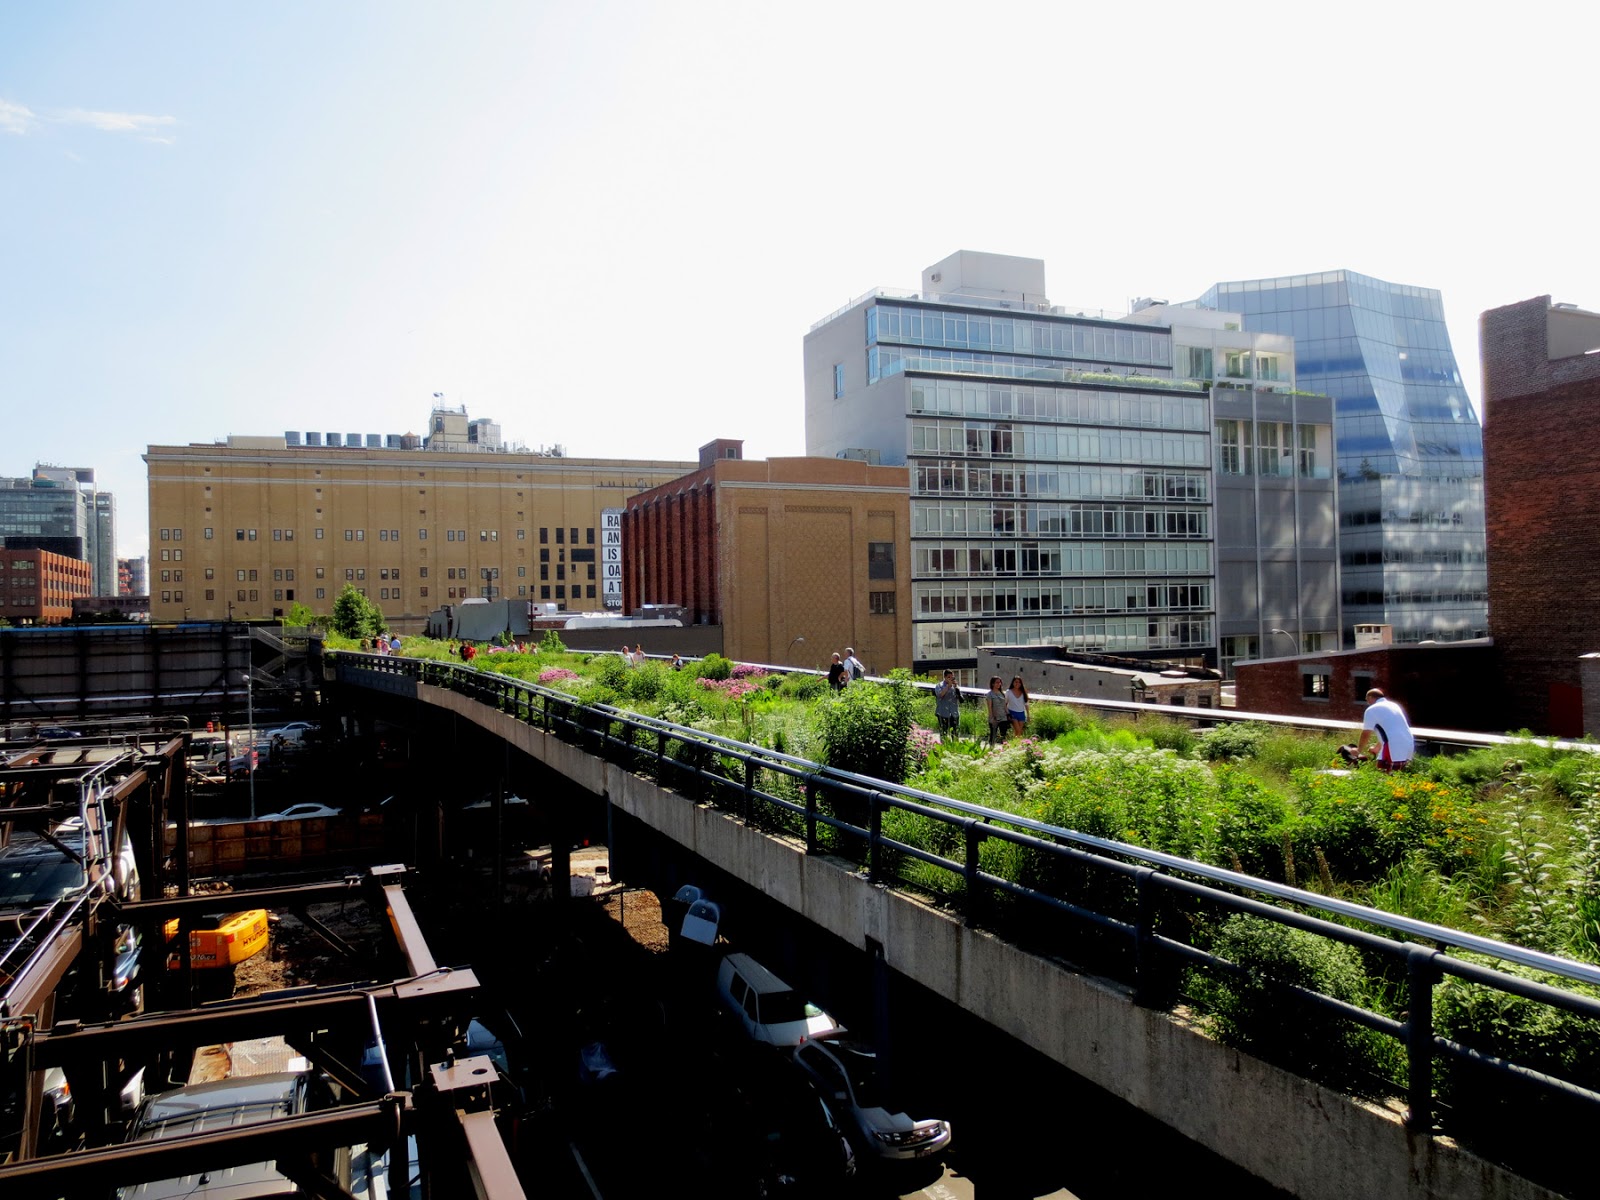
{"points": [[1017, 706], [947, 706], [994, 702]]}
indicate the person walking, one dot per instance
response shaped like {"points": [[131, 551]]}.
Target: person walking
{"points": [[853, 664], [1385, 722], [994, 701], [1017, 706], [947, 706], [838, 673]]}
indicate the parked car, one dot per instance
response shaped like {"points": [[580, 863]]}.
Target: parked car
{"points": [[774, 1132], [302, 812], [768, 1008], [57, 731], [295, 732], [847, 1073], [226, 1104]]}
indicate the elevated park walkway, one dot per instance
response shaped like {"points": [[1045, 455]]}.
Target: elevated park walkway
{"points": [[1085, 960]]}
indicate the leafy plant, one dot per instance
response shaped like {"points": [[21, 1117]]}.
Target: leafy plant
{"points": [[551, 643], [714, 666], [1256, 1014], [864, 728]]}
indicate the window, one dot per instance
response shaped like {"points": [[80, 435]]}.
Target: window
{"points": [[838, 381], [544, 571], [574, 535], [319, 572], [322, 593], [449, 535], [1314, 684], [522, 572], [880, 560], [349, 574], [544, 536], [277, 536], [254, 594], [544, 592], [881, 603], [238, 576], [422, 572], [241, 593], [588, 536], [177, 556], [277, 574], [166, 577], [423, 591], [166, 597], [461, 535], [544, 556], [1361, 685], [165, 555], [208, 533], [211, 573], [561, 592], [166, 534], [361, 535], [252, 575], [252, 534], [349, 535], [561, 571], [560, 535], [422, 535], [319, 533], [277, 593], [238, 535], [383, 535], [522, 535], [211, 593], [590, 591], [394, 535]]}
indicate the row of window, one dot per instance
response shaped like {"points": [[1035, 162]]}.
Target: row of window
{"points": [[983, 331], [1392, 517], [1273, 448], [1053, 598], [1366, 558], [1391, 599], [384, 535], [1068, 405], [1111, 634], [1058, 520]]}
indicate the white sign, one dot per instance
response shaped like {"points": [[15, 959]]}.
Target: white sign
{"points": [[611, 557]]}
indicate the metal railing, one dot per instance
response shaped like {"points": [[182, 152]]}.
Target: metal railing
{"points": [[1117, 909]]}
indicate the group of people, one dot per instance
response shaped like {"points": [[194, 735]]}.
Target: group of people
{"points": [[384, 643], [635, 657], [1007, 709], [845, 670]]}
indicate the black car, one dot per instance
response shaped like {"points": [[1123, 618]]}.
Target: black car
{"points": [[777, 1136]]}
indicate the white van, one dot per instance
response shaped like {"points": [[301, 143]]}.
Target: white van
{"points": [[769, 1009]]}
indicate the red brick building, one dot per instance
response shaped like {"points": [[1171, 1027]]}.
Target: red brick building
{"points": [[38, 587], [1444, 685], [794, 557], [1541, 452]]}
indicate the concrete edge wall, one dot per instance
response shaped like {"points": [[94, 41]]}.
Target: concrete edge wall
{"points": [[1309, 1140]]}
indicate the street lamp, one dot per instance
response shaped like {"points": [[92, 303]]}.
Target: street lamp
{"points": [[1294, 646], [797, 641], [250, 718]]}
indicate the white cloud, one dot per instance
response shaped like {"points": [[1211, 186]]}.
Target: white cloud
{"points": [[15, 118], [113, 122]]}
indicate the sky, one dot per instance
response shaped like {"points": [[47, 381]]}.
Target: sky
{"points": [[609, 225]]}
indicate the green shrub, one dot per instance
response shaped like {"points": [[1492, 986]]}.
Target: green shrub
{"points": [[864, 728], [551, 643], [646, 681], [1490, 1107], [1169, 733], [610, 670], [1232, 742], [800, 686], [1254, 1015], [714, 666], [1048, 721]]}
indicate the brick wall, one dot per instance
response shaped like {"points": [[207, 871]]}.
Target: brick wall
{"points": [[1448, 686], [1541, 448]]}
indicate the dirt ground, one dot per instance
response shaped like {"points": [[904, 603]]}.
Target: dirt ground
{"points": [[640, 914]]}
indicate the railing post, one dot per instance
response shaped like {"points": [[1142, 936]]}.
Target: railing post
{"points": [[1144, 942], [1421, 974], [973, 830], [811, 816], [661, 757], [874, 833], [749, 789]]}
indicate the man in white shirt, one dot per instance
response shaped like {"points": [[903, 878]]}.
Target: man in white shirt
{"points": [[1385, 721], [853, 664]]}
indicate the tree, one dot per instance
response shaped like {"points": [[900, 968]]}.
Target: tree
{"points": [[299, 615], [354, 614]]}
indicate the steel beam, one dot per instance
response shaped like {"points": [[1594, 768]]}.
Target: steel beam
{"points": [[464, 1083], [36, 982], [89, 1171], [289, 896], [407, 932], [295, 1016]]}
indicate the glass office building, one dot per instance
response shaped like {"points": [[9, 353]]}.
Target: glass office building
{"points": [[1061, 477], [1408, 446]]}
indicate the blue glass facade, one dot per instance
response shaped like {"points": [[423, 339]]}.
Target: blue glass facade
{"points": [[1407, 442]]}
